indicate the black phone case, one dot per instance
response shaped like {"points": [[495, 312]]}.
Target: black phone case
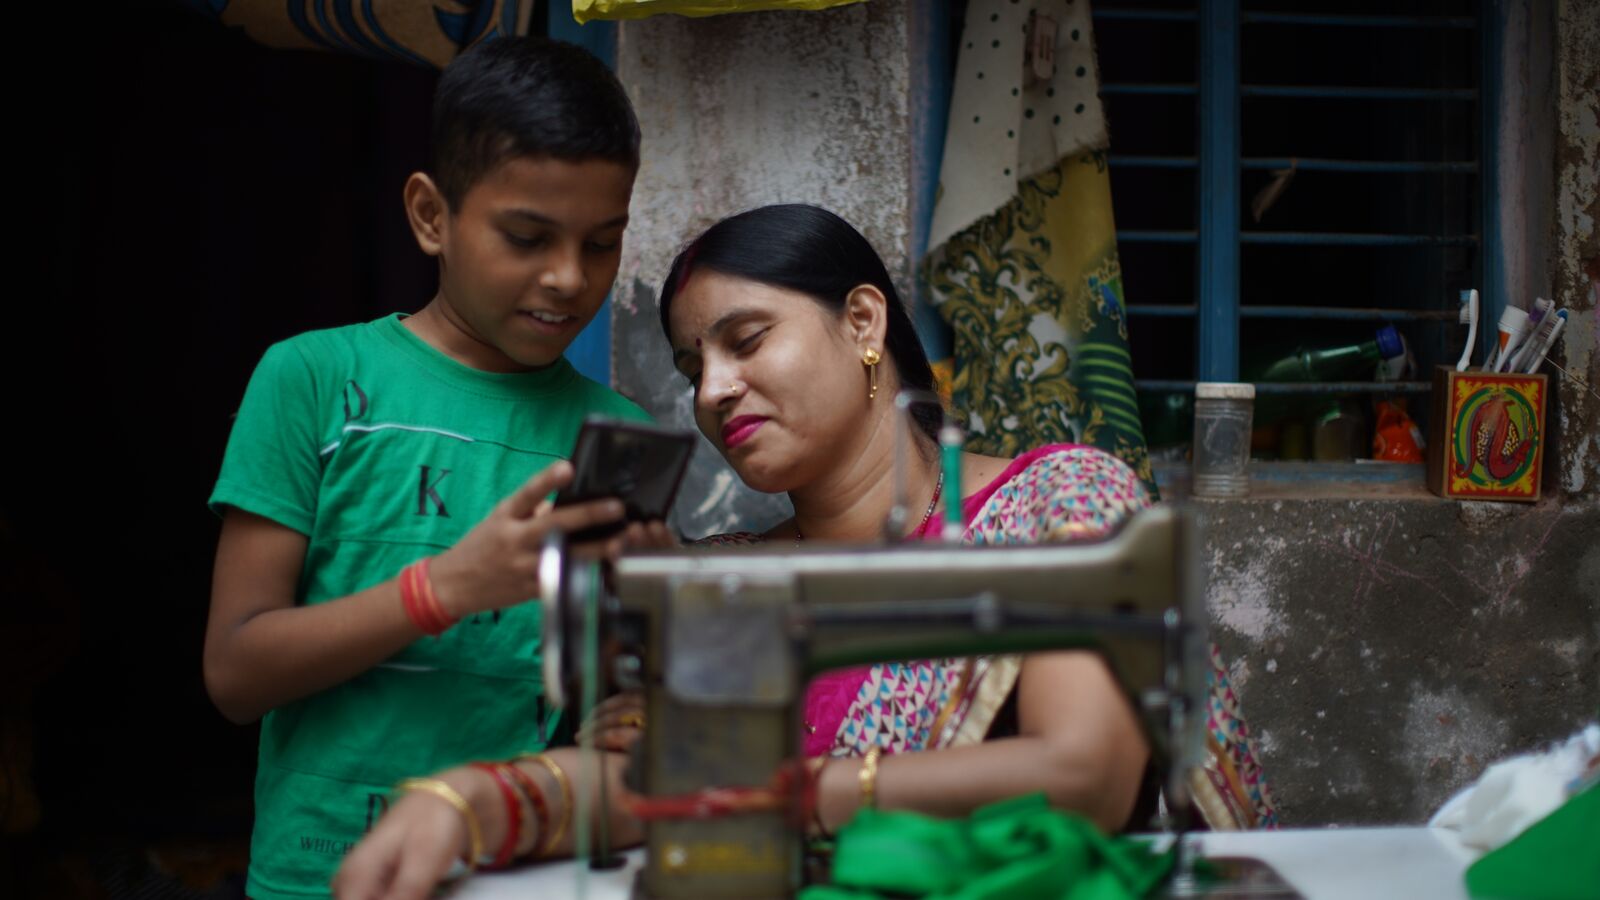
{"points": [[642, 465]]}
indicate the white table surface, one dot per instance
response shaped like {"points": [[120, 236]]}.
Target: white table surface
{"points": [[1323, 864]]}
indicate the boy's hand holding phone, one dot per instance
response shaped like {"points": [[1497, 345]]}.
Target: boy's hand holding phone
{"points": [[497, 563], [615, 494]]}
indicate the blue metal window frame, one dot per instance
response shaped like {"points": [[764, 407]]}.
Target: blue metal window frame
{"points": [[1218, 164], [1218, 190]]}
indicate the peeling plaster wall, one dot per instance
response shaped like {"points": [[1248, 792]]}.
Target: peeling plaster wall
{"points": [[740, 111], [1387, 650], [1577, 239]]}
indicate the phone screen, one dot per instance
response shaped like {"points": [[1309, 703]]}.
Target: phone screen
{"points": [[641, 465]]}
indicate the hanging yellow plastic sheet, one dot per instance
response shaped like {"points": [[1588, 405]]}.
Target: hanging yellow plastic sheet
{"points": [[585, 10]]}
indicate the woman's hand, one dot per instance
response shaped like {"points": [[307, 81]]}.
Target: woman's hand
{"points": [[615, 724], [405, 856]]}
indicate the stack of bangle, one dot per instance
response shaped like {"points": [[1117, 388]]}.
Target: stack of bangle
{"points": [[453, 797], [421, 603], [565, 785], [514, 818], [541, 810]]}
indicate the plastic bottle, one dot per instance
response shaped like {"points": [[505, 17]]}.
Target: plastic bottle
{"points": [[1396, 438], [1330, 363], [1350, 362]]}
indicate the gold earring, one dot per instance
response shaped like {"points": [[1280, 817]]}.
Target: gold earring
{"points": [[871, 358]]}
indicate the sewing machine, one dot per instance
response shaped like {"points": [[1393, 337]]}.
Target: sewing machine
{"points": [[721, 642]]}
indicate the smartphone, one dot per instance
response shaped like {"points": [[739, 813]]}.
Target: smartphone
{"points": [[641, 465]]}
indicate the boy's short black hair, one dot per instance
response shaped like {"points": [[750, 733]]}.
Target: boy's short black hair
{"points": [[526, 96]]}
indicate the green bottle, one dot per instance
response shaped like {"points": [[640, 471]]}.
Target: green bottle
{"points": [[1329, 364], [1353, 362]]}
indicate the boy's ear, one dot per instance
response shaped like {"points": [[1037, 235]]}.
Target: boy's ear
{"points": [[427, 210], [866, 316]]}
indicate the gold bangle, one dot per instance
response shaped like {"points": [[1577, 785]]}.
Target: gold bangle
{"points": [[453, 797], [868, 777], [565, 784]]}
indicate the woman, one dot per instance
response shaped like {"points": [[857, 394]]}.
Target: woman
{"points": [[789, 330]]}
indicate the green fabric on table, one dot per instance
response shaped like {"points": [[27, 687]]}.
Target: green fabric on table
{"points": [[1557, 858], [1017, 848]]}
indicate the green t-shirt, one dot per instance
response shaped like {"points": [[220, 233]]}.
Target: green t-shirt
{"points": [[381, 450]]}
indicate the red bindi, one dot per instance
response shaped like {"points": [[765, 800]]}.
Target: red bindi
{"points": [[697, 342]]}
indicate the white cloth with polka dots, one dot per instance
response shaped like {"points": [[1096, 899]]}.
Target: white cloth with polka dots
{"points": [[1002, 129]]}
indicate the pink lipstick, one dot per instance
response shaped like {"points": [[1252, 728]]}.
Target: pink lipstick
{"points": [[740, 429]]}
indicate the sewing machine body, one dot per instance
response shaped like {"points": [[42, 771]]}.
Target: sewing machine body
{"points": [[722, 642]]}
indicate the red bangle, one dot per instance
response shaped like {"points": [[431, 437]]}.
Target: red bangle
{"points": [[421, 604], [411, 600], [541, 808], [408, 599], [508, 847], [429, 598]]}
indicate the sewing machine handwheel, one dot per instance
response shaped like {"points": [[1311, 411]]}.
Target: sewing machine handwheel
{"points": [[552, 601]]}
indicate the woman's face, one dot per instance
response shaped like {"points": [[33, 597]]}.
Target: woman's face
{"points": [[779, 386]]}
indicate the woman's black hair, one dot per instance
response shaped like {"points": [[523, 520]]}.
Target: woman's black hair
{"points": [[810, 250]]}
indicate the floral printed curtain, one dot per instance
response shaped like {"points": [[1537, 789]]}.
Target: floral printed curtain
{"points": [[1023, 261]]}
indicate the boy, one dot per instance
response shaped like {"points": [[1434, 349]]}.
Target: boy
{"points": [[360, 450]]}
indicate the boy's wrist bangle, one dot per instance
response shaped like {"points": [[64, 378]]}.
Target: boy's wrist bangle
{"points": [[453, 797], [419, 600], [431, 598]]}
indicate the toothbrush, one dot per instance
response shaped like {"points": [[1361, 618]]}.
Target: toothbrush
{"points": [[1469, 315], [1560, 318], [1540, 321]]}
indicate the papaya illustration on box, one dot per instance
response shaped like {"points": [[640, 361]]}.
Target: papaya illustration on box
{"points": [[1492, 441]]}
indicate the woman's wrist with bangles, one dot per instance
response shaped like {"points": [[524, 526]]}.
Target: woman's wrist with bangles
{"points": [[508, 810], [521, 819], [536, 809], [475, 800], [844, 786]]}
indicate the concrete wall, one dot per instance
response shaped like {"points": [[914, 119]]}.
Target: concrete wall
{"points": [[1576, 240], [1387, 646], [740, 111], [1386, 650]]}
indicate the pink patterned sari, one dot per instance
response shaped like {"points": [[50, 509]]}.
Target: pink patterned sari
{"points": [[1061, 492]]}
